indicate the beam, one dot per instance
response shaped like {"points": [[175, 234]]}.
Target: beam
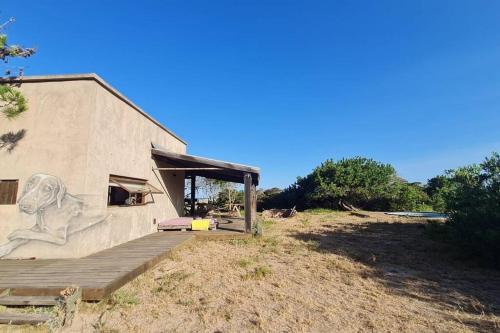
{"points": [[193, 194], [225, 172], [184, 158], [186, 169], [250, 204]]}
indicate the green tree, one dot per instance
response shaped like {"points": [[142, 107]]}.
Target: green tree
{"points": [[471, 197], [411, 197], [360, 181], [229, 195], [12, 102], [437, 189], [267, 199]]}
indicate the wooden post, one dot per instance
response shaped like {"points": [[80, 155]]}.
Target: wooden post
{"points": [[193, 194], [250, 203], [258, 228]]}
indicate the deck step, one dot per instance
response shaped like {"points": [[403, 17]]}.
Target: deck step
{"points": [[15, 318], [28, 300]]}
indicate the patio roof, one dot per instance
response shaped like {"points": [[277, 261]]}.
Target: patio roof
{"points": [[205, 167]]}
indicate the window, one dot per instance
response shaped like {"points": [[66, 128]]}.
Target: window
{"points": [[8, 191], [126, 191]]}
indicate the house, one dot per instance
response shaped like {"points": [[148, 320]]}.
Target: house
{"points": [[86, 169]]}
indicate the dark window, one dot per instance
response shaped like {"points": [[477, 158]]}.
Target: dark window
{"points": [[120, 197], [8, 192], [126, 191]]}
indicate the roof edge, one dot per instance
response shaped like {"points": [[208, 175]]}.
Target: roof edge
{"points": [[241, 167], [100, 81]]}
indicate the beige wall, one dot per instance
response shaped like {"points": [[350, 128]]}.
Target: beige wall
{"points": [[81, 132]]}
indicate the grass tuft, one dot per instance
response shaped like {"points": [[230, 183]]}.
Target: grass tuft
{"points": [[258, 273], [266, 224], [168, 282], [243, 263], [122, 297], [305, 221]]}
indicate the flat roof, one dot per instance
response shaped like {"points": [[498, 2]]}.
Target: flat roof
{"points": [[100, 81], [227, 171]]}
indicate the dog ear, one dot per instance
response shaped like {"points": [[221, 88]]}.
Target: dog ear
{"points": [[61, 192]]}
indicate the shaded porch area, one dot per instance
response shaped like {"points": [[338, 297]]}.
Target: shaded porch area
{"points": [[195, 166]]}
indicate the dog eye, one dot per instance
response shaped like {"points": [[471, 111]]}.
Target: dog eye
{"points": [[47, 188]]}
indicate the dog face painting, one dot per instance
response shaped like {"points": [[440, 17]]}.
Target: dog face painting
{"points": [[57, 213], [40, 192]]}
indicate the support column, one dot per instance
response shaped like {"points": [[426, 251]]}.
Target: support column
{"points": [[193, 194], [250, 203]]}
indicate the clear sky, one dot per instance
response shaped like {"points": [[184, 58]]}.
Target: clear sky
{"points": [[284, 85]]}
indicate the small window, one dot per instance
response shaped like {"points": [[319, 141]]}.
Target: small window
{"points": [[125, 191], [8, 191]]}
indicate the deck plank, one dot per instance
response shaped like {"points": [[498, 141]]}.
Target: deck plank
{"points": [[28, 300], [23, 318], [98, 274]]}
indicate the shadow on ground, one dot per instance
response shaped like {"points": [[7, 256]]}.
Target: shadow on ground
{"points": [[410, 264]]}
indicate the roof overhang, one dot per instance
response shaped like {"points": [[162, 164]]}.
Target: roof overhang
{"points": [[206, 167]]}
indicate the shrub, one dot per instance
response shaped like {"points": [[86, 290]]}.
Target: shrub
{"points": [[473, 203], [470, 195], [360, 181], [409, 197]]}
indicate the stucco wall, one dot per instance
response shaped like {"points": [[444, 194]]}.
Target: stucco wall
{"points": [[80, 132], [120, 144]]}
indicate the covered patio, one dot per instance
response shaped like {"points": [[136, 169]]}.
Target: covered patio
{"points": [[196, 166]]}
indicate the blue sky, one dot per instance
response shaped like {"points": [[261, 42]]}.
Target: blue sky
{"points": [[284, 85]]}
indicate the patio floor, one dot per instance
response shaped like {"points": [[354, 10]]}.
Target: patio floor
{"points": [[100, 273]]}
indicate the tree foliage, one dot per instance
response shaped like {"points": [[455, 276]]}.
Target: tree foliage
{"points": [[436, 188], [359, 181], [471, 197], [12, 102], [229, 195]]}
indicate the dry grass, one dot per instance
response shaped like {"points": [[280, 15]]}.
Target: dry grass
{"points": [[317, 272]]}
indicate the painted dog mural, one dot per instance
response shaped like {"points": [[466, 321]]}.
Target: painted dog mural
{"points": [[58, 214]]}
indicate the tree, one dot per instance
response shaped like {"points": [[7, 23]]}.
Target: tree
{"points": [[437, 188], [411, 197], [229, 195], [267, 199], [471, 197], [360, 181], [12, 102], [210, 187]]}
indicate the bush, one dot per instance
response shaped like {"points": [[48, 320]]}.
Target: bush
{"points": [[359, 181], [436, 190], [471, 196], [409, 197]]}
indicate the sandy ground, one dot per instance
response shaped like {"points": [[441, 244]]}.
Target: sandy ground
{"points": [[327, 272]]}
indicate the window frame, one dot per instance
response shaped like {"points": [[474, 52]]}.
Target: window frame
{"points": [[122, 181], [10, 198]]}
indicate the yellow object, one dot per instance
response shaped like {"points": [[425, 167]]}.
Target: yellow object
{"points": [[200, 224]]}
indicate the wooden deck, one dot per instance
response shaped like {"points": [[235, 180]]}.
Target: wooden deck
{"points": [[101, 273]]}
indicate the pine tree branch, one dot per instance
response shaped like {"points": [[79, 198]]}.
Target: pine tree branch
{"points": [[15, 102]]}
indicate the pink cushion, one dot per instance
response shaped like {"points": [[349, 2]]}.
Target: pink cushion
{"points": [[179, 221]]}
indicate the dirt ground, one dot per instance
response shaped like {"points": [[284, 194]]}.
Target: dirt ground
{"points": [[316, 272]]}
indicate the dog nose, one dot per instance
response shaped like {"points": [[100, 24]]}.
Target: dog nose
{"points": [[26, 206]]}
